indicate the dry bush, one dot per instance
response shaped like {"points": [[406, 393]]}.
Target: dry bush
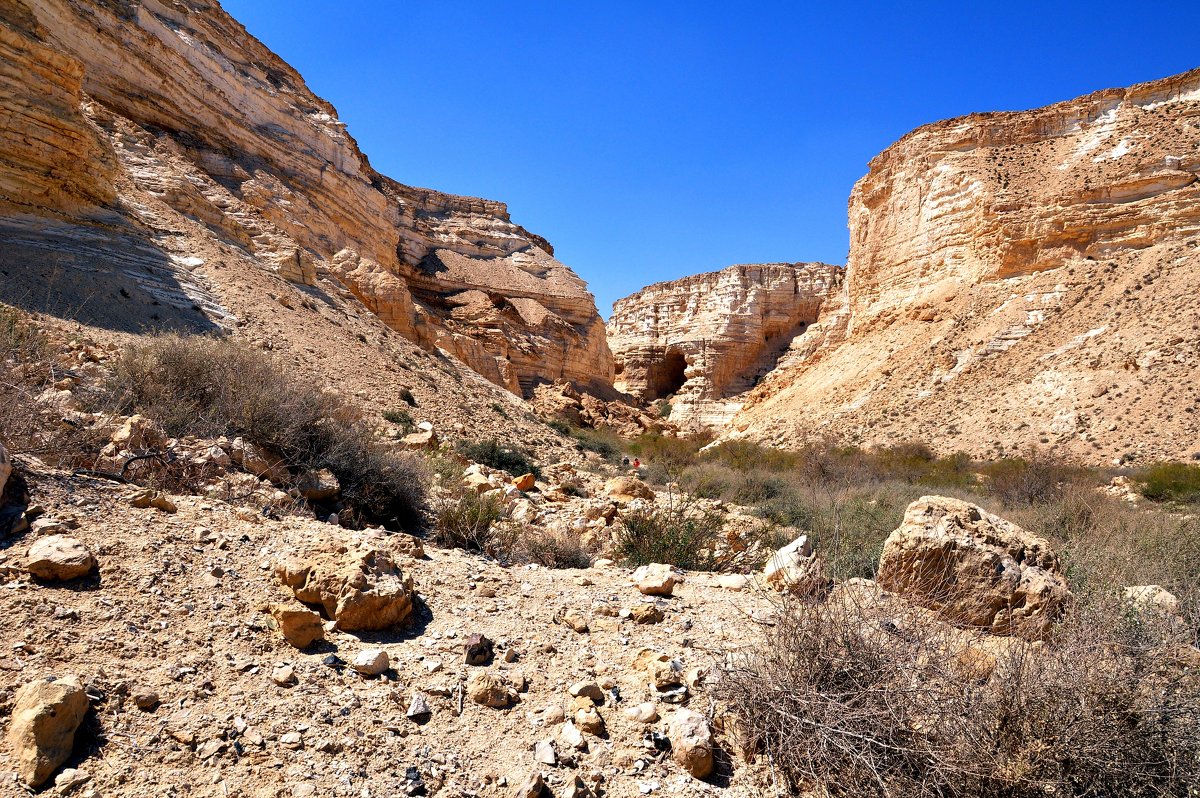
{"points": [[550, 548], [1037, 478], [846, 703], [468, 520], [210, 387]]}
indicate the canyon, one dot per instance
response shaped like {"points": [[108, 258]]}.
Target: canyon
{"points": [[1015, 280]]}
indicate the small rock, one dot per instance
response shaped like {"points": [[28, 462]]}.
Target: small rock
{"points": [[553, 714], [299, 627], [524, 483], [570, 736], [642, 713], [543, 753], [490, 690], [146, 700], [531, 787], [283, 675], [626, 489], [58, 558], [589, 720], [587, 690], [733, 581], [69, 779], [418, 708], [292, 740], [691, 742], [45, 716], [575, 619], [576, 788], [146, 499], [655, 579], [1152, 597], [371, 662], [478, 650]]}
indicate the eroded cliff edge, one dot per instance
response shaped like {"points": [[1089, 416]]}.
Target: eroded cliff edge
{"points": [[1014, 279], [160, 138]]}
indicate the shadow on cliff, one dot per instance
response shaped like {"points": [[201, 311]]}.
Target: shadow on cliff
{"points": [[108, 277]]}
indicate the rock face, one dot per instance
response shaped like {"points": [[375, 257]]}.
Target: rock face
{"points": [[1038, 265], [45, 715], [974, 569], [703, 341], [197, 146]]}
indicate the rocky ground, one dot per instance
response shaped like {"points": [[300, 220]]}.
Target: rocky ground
{"points": [[194, 693]]}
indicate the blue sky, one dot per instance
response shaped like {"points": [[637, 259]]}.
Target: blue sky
{"points": [[651, 140]]}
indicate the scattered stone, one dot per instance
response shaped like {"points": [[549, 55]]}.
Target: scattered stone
{"points": [[626, 489], [646, 613], [299, 627], [576, 788], [490, 690], [423, 438], [45, 715], [655, 579], [589, 690], [974, 569], [371, 662], [642, 713], [418, 708], [543, 753], [478, 650], [293, 741], [531, 787], [319, 485], [589, 720], [524, 483], [283, 675], [553, 714], [146, 700], [58, 558], [691, 742], [575, 619], [570, 736], [1155, 597], [733, 581], [69, 779]]}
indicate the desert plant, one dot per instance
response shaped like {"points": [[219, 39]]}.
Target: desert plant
{"points": [[681, 534], [1037, 478], [503, 458], [1176, 482], [468, 521], [211, 387], [401, 418], [550, 548], [848, 701]]}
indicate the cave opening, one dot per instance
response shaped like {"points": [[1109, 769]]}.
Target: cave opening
{"points": [[669, 375]]}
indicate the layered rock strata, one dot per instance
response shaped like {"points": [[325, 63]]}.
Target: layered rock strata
{"points": [[167, 121], [1015, 279], [704, 341]]}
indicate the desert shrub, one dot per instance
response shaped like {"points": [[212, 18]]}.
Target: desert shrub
{"points": [[210, 387], [671, 455], [849, 703], [401, 418], [750, 456], [503, 458], [21, 342], [1177, 482], [664, 409], [605, 443], [1037, 478], [559, 426], [468, 521], [550, 548], [407, 397], [709, 480], [680, 534]]}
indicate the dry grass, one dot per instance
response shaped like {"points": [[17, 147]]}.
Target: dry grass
{"points": [[842, 701]]}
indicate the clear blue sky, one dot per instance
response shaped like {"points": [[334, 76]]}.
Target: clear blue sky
{"points": [[650, 140]]}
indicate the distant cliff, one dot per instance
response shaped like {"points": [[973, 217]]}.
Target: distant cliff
{"points": [[163, 128]]}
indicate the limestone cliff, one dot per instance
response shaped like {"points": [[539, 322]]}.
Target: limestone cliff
{"points": [[704, 341], [1014, 279], [163, 129]]}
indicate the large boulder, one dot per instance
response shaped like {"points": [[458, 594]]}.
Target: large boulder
{"points": [[626, 489], [58, 558], [45, 715], [974, 569], [359, 584]]}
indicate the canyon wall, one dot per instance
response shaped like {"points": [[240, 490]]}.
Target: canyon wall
{"points": [[703, 341], [168, 124], [1015, 280]]}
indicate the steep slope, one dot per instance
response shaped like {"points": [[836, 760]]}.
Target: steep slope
{"points": [[169, 130], [1015, 279], [705, 340]]}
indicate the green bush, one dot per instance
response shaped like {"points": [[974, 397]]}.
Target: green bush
{"points": [[503, 458], [211, 387], [1177, 482], [1035, 479], [401, 418], [681, 535]]}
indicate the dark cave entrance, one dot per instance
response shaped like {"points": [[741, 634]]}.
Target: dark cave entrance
{"points": [[668, 375]]}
